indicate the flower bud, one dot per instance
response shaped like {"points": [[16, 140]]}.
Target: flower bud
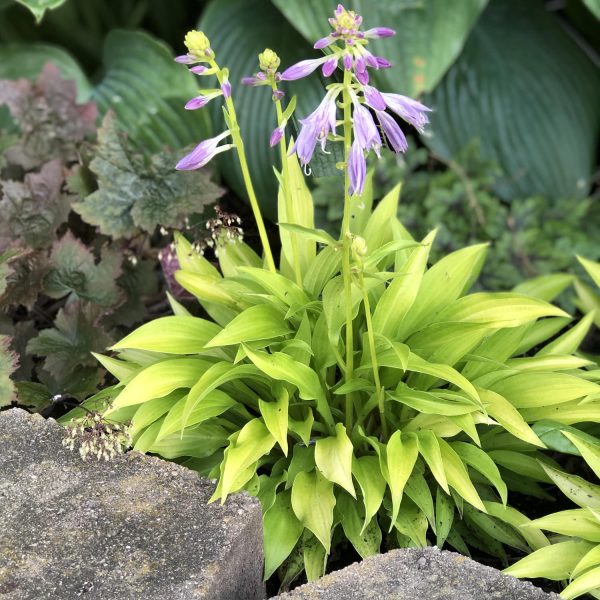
{"points": [[359, 246], [268, 60], [197, 44]]}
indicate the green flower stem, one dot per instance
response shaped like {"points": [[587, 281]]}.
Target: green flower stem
{"points": [[375, 366], [346, 243], [286, 190], [239, 146]]}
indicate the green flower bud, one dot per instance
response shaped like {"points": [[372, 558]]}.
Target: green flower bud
{"points": [[197, 44], [268, 60], [359, 246]]}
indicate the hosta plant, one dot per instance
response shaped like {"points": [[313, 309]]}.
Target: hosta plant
{"points": [[364, 397]]}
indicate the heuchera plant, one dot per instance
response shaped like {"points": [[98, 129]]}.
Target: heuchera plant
{"points": [[363, 397]]}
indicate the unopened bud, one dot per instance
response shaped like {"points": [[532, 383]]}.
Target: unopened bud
{"points": [[268, 60]]}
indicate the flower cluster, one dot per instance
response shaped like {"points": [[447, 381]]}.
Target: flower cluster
{"points": [[346, 45], [224, 228], [97, 437], [199, 51]]}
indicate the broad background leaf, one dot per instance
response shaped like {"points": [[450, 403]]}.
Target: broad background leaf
{"points": [[531, 96]]}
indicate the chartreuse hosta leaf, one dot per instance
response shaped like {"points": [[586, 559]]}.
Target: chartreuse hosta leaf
{"points": [[275, 415], [593, 269], [160, 379], [577, 489], [313, 502], [400, 457], [367, 472], [589, 451], [333, 457], [366, 539]]}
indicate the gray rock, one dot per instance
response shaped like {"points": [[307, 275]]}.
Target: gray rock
{"points": [[415, 573], [134, 528]]}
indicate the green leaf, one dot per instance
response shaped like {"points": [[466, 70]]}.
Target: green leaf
{"points": [[431, 403], [251, 443], [171, 335], [458, 476], [429, 449], [412, 523], [587, 582], [161, 379], [281, 530], [577, 523], [367, 472], [20, 59], [39, 7], [508, 416], [552, 562], [333, 457], [313, 502], [545, 287], [400, 295], [315, 557], [365, 539], [592, 268], [534, 537], [569, 342], [480, 461], [444, 282], [531, 389], [430, 35], [594, 7], [494, 528], [591, 559], [8, 364], [146, 90], [200, 441], [275, 415], [134, 193], [589, 451], [153, 410], [498, 309], [577, 489], [318, 235], [522, 88], [259, 322], [237, 42], [401, 455], [444, 516], [557, 436], [378, 230]]}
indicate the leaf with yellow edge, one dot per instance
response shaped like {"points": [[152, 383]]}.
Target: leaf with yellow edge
{"points": [[401, 454], [313, 502], [333, 456]]}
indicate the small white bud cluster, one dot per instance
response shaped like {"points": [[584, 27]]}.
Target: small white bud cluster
{"points": [[97, 437], [224, 228]]}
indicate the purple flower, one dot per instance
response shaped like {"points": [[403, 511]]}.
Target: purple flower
{"points": [[185, 59], [383, 63], [316, 127], [362, 76], [329, 66], [276, 135], [198, 69], [226, 89], [348, 62], [392, 132], [203, 153], [259, 79], [410, 110], [374, 98], [379, 32], [324, 42], [278, 95], [302, 69], [198, 102], [365, 130], [357, 168]]}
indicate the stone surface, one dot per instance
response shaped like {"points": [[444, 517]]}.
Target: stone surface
{"points": [[414, 573], [134, 528]]}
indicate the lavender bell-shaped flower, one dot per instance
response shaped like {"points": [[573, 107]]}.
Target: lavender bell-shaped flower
{"points": [[346, 45], [204, 152]]}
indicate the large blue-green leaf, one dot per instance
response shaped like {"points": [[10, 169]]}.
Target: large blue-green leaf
{"points": [[26, 60], [147, 90], [532, 97], [430, 34], [238, 31]]}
